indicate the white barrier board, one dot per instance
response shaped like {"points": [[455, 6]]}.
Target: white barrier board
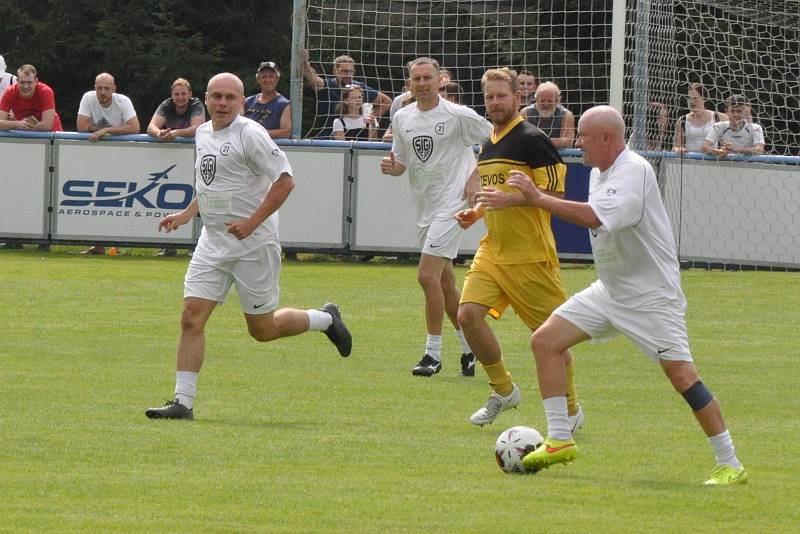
{"points": [[314, 212], [383, 212], [122, 190], [731, 211], [23, 173]]}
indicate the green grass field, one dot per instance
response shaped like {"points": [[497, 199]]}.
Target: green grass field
{"points": [[289, 437]]}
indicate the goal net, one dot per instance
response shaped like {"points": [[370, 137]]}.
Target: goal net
{"points": [[565, 42], [750, 48]]}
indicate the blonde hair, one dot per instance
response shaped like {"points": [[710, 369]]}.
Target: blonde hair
{"points": [[500, 75], [181, 81]]}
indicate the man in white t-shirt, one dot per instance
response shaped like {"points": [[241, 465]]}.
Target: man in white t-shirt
{"points": [[736, 135], [434, 140], [106, 112], [638, 293], [242, 180]]}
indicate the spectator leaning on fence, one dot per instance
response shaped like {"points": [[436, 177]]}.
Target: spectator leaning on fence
{"points": [[736, 135], [105, 112], [269, 108], [550, 116], [693, 128], [6, 78], [329, 90], [31, 103], [179, 115]]}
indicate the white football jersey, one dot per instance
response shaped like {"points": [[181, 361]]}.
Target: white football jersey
{"points": [[436, 147], [634, 249], [748, 136], [234, 170]]}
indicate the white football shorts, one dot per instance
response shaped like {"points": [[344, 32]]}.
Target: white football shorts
{"points": [[442, 238], [255, 274], [658, 329]]}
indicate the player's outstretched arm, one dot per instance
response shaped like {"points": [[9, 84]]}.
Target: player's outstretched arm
{"points": [[173, 222], [579, 213]]}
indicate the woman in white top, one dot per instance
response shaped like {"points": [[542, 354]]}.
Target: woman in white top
{"points": [[691, 129], [353, 123]]}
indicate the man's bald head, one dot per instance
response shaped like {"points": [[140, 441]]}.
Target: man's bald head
{"points": [[104, 77], [606, 119], [105, 87], [226, 81], [224, 99], [601, 136]]}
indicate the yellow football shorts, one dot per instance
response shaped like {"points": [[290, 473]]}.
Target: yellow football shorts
{"points": [[533, 290]]}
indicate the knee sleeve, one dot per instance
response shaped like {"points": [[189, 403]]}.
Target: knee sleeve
{"points": [[698, 396]]}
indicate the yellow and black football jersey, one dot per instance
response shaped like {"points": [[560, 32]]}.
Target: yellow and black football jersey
{"points": [[520, 234]]}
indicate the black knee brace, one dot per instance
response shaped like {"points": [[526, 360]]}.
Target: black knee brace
{"points": [[698, 396]]}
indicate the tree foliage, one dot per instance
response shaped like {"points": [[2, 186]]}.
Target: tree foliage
{"points": [[145, 44]]}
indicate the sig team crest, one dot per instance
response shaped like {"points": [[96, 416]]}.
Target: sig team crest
{"points": [[208, 168], [423, 147]]}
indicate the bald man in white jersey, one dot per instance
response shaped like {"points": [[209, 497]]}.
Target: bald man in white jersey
{"points": [[242, 179], [638, 293], [433, 139]]}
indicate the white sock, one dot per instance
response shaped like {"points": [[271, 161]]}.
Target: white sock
{"points": [[555, 408], [724, 450], [433, 347], [318, 320], [464, 345], [186, 387]]}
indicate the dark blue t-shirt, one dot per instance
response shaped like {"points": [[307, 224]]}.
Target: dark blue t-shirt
{"points": [[267, 115]]}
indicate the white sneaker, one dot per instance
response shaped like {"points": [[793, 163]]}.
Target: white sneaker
{"points": [[576, 421], [496, 404]]}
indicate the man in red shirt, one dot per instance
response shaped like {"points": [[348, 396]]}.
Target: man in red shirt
{"points": [[31, 102]]}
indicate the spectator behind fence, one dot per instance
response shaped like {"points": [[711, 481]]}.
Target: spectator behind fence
{"points": [[354, 122], [736, 135], [550, 116], [177, 116], [451, 92], [269, 108], [329, 90], [656, 124], [29, 104], [527, 86], [692, 129], [105, 112], [6, 78]]}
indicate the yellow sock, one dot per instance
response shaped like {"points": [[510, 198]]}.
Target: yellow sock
{"points": [[499, 378], [572, 394]]}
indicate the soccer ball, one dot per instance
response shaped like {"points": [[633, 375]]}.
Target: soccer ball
{"points": [[512, 446]]}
